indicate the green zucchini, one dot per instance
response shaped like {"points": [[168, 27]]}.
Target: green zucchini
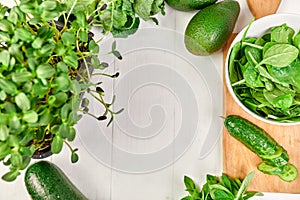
{"points": [[44, 180], [275, 157]]}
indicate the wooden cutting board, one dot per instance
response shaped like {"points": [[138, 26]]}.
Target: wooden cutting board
{"points": [[238, 161]]}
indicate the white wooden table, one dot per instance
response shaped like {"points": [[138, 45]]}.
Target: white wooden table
{"points": [[160, 137]]}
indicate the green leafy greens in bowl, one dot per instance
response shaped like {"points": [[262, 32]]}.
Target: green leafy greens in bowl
{"points": [[263, 69]]}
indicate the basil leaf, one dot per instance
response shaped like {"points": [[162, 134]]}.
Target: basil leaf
{"points": [[244, 185]]}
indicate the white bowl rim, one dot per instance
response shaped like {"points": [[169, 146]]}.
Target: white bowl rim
{"points": [[277, 19]]}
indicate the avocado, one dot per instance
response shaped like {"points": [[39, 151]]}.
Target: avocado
{"points": [[210, 28], [188, 5]]}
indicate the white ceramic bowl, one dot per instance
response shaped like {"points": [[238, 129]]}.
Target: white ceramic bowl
{"points": [[258, 29]]}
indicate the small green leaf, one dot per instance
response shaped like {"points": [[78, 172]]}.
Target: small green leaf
{"points": [[68, 38], [40, 89], [83, 36], [60, 99], [62, 67], [19, 77], [14, 122], [45, 32], [8, 86], [6, 26], [22, 101], [114, 46], [64, 130], [93, 47], [4, 37], [16, 159], [2, 95], [4, 150], [4, 56], [45, 71], [49, 5], [11, 176], [15, 51], [4, 132], [57, 144], [13, 16], [13, 141], [26, 162], [117, 54], [61, 82], [72, 134], [65, 110], [74, 157], [45, 117], [60, 49], [47, 49], [24, 35], [37, 43], [71, 60], [30, 116]]}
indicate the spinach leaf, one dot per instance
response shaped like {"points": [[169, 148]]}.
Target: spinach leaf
{"points": [[252, 77], [296, 40], [253, 55], [280, 55], [232, 62], [282, 34]]}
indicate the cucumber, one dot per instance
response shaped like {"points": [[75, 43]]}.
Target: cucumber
{"points": [[257, 140], [289, 173], [44, 180], [275, 157]]}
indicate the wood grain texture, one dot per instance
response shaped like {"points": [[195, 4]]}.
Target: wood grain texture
{"points": [[238, 161], [262, 8]]}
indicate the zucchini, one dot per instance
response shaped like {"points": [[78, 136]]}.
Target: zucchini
{"points": [[275, 157], [44, 180]]}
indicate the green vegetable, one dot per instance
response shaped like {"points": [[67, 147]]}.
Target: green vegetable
{"points": [[44, 180], [217, 188], [121, 18], [264, 73], [275, 157], [208, 31], [188, 5]]}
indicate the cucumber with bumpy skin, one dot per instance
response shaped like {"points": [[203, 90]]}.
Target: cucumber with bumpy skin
{"points": [[44, 180], [257, 140], [274, 156]]}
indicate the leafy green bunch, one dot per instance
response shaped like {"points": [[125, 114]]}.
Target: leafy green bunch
{"points": [[47, 54], [121, 17], [264, 72], [220, 188]]}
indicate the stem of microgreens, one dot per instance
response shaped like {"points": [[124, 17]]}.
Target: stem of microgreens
{"points": [[68, 16]]}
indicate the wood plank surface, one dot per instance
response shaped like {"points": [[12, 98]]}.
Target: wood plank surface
{"points": [[238, 161]]}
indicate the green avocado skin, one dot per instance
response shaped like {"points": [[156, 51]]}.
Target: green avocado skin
{"points": [[210, 28], [45, 181], [189, 5]]}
